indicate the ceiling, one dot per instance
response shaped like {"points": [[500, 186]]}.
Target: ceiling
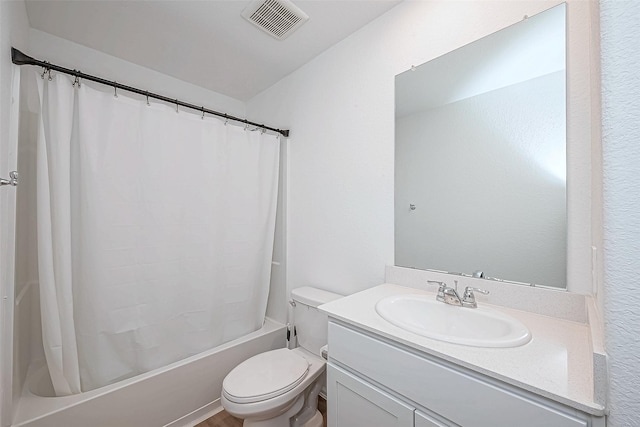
{"points": [[206, 43]]}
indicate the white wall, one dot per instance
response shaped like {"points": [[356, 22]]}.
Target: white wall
{"points": [[46, 47], [340, 109], [13, 32], [620, 34], [486, 176]]}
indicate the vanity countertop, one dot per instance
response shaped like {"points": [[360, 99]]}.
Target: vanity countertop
{"points": [[557, 363]]}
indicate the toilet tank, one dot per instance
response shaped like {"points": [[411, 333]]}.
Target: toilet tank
{"points": [[311, 325]]}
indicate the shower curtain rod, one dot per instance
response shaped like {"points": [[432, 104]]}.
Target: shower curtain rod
{"points": [[20, 58]]}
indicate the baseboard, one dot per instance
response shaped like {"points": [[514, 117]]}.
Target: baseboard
{"points": [[205, 412]]}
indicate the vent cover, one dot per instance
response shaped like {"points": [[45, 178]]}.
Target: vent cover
{"points": [[278, 18]]}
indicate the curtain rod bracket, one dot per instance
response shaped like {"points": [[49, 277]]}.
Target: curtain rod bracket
{"points": [[20, 58]]}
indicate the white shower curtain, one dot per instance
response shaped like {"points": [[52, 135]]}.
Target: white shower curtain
{"points": [[155, 233]]}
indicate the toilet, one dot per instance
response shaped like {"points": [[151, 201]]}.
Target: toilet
{"points": [[280, 388]]}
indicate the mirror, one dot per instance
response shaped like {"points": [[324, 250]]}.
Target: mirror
{"points": [[480, 157]]}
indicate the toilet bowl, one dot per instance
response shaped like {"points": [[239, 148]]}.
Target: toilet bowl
{"points": [[263, 391], [280, 388]]}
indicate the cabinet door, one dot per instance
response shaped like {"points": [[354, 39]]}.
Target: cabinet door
{"points": [[354, 403], [424, 420]]}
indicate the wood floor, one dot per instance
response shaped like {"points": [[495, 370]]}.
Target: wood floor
{"points": [[223, 419]]}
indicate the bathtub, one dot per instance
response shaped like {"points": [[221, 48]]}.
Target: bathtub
{"points": [[181, 394]]}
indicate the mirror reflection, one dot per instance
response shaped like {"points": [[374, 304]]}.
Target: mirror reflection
{"points": [[480, 157]]}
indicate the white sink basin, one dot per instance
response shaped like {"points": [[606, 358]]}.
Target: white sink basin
{"points": [[478, 327]]}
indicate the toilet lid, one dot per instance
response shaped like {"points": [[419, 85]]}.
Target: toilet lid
{"points": [[264, 376]]}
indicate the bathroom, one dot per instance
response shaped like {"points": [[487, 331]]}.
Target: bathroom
{"points": [[337, 165]]}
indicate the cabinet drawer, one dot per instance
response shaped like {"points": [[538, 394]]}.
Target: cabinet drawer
{"points": [[456, 395]]}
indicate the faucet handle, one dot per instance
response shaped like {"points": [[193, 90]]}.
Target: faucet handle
{"points": [[471, 289], [442, 287], [469, 299], [435, 282]]}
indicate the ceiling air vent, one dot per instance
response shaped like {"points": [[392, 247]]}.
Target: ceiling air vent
{"points": [[278, 18]]}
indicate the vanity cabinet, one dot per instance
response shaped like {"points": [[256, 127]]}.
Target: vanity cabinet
{"points": [[375, 382], [356, 403]]}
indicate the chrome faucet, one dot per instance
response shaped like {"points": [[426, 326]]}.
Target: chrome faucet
{"points": [[450, 295], [441, 287], [446, 294], [469, 299]]}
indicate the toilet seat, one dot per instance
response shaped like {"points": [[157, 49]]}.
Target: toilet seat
{"points": [[265, 376]]}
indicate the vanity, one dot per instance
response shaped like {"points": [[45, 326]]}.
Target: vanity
{"points": [[380, 374], [481, 151]]}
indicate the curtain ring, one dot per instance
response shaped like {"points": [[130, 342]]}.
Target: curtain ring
{"points": [[176, 106], [202, 113], [115, 89], [226, 119], [76, 81], [148, 105], [49, 71], [246, 125], [44, 71]]}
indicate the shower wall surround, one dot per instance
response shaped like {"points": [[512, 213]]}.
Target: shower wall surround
{"points": [[14, 30]]}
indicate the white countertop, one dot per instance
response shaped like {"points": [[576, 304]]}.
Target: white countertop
{"points": [[557, 363]]}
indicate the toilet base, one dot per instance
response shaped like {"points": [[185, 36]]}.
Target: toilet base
{"points": [[281, 420], [315, 421]]}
